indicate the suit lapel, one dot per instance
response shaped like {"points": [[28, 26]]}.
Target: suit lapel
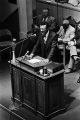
{"points": [[48, 40]]}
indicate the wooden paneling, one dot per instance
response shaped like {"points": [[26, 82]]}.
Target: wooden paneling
{"points": [[29, 89], [16, 83], [59, 11]]}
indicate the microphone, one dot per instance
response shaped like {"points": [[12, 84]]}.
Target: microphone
{"points": [[27, 52], [25, 55]]}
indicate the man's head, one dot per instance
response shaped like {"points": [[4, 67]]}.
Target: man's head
{"points": [[43, 28], [65, 24], [45, 12]]}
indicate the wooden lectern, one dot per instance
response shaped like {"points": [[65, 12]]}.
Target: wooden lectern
{"points": [[41, 94]]}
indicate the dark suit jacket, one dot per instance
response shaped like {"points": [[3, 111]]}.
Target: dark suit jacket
{"points": [[47, 50], [77, 37]]}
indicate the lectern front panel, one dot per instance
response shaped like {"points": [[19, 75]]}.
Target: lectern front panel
{"points": [[43, 94]]}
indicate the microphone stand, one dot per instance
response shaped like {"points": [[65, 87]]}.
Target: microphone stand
{"points": [[13, 105]]}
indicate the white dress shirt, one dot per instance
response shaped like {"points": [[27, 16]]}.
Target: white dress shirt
{"points": [[45, 38]]}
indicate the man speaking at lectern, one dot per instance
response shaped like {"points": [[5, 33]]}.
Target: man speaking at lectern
{"points": [[46, 45]]}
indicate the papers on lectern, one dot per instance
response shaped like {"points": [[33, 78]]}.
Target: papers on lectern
{"points": [[34, 60]]}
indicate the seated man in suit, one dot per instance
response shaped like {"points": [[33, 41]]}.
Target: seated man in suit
{"points": [[45, 17], [67, 34], [46, 45]]}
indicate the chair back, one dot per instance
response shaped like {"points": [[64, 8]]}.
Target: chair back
{"points": [[5, 37]]}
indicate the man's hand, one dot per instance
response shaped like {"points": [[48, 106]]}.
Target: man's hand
{"points": [[26, 56], [71, 43], [30, 56], [46, 60]]}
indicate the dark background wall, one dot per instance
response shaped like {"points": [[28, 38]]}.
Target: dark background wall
{"points": [[10, 19]]}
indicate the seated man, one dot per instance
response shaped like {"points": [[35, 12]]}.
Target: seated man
{"points": [[45, 17], [46, 44], [66, 34]]}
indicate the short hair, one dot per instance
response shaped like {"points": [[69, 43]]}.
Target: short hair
{"points": [[45, 23]]}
